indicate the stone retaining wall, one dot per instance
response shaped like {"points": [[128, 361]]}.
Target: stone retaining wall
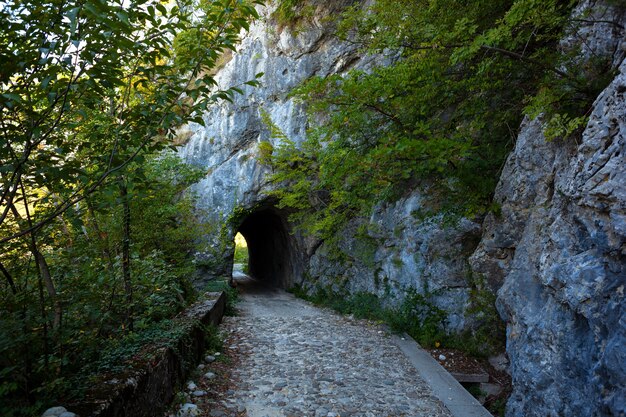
{"points": [[148, 387]]}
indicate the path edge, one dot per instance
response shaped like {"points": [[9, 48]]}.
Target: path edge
{"points": [[443, 385], [148, 389]]}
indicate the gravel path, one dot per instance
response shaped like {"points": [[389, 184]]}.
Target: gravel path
{"points": [[294, 359]]}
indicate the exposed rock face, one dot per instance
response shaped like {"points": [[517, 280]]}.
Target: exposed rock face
{"points": [[228, 145], [556, 254], [558, 251], [400, 252]]}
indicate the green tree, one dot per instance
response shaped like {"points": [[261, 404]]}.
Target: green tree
{"points": [[90, 92], [443, 114], [97, 80]]}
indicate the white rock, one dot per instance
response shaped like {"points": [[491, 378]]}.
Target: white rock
{"points": [[209, 375], [209, 358], [199, 393], [188, 410], [191, 386], [54, 412], [442, 357], [499, 362]]}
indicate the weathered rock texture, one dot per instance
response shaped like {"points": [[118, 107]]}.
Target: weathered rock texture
{"points": [[558, 252], [228, 145], [400, 252]]}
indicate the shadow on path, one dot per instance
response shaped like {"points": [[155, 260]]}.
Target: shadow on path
{"points": [[246, 285], [260, 299]]}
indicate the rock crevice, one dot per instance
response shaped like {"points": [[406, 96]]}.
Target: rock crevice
{"points": [[562, 231]]}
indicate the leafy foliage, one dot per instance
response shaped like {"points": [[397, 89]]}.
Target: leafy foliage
{"points": [[96, 231], [85, 259], [417, 315], [441, 116], [287, 11], [87, 87], [232, 296], [241, 254]]}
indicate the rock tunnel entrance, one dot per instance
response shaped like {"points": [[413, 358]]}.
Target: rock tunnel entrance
{"points": [[271, 248]]}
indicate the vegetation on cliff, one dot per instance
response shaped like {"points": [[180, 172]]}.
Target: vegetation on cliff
{"points": [[443, 114]]}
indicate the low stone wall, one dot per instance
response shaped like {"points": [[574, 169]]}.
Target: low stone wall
{"points": [[148, 386]]}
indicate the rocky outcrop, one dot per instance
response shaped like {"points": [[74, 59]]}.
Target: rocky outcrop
{"points": [[400, 252], [557, 252], [228, 145]]}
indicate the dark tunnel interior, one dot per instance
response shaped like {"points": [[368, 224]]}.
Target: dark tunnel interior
{"points": [[269, 247]]}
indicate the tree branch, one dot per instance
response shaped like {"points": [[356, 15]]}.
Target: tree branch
{"points": [[7, 275], [528, 60]]}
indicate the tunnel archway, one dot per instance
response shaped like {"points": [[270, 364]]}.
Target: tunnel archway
{"points": [[271, 249]]}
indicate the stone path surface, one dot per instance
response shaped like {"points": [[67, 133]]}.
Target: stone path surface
{"points": [[298, 360]]}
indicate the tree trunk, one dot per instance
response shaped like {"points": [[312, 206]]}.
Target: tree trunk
{"points": [[42, 305], [106, 251], [44, 272], [42, 266], [128, 288]]}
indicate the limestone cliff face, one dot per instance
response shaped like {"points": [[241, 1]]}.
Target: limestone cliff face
{"points": [[558, 254], [228, 145], [400, 253]]}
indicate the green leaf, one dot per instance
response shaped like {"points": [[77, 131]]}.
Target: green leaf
{"points": [[161, 8], [12, 97]]}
